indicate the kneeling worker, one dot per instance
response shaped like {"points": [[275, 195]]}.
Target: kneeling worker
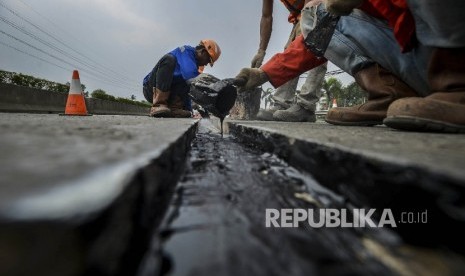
{"points": [[166, 86]]}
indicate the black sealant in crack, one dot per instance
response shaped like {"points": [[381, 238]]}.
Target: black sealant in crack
{"points": [[216, 222]]}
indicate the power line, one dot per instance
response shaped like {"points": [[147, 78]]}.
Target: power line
{"points": [[24, 31], [103, 74], [54, 64], [31, 55], [57, 58], [58, 40], [71, 35], [112, 80]]}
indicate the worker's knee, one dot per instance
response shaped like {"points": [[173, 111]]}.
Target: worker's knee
{"points": [[165, 71]]}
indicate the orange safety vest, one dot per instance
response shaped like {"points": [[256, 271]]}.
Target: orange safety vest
{"points": [[295, 7]]}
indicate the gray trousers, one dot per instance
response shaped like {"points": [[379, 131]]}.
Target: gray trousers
{"points": [[310, 93]]}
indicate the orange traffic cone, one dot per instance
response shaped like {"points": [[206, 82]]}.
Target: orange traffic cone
{"points": [[334, 103], [76, 104]]}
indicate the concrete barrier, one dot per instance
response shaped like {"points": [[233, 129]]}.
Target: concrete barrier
{"points": [[14, 98]]}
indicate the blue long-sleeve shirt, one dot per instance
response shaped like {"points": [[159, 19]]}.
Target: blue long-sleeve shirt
{"points": [[186, 64], [186, 68]]}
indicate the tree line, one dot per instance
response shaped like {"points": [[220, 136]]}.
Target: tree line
{"points": [[101, 94], [33, 82], [345, 96]]}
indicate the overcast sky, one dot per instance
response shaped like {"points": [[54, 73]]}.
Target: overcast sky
{"points": [[115, 43]]}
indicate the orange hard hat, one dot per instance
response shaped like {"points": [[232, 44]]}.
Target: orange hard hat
{"points": [[212, 48]]}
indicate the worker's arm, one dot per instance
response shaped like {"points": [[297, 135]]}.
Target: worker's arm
{"points": [[266, 26], [281, 68]]}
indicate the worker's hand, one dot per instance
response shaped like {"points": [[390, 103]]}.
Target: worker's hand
{"points": [[249, 78], [342, 7], [258, 58]]}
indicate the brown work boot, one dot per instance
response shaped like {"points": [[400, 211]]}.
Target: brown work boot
{"points": [[383, 88], [177, 109], [442, 111], [160, 103]]}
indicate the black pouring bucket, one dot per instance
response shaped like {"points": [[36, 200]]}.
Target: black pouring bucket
{"points": [[214, 95]]}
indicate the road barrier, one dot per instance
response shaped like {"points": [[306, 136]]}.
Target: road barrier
{"points": [[22, 99]]}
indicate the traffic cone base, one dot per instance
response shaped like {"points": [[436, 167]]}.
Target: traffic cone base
{"points": [[76, 105]]}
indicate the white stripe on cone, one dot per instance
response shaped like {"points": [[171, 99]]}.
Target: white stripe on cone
{"points": [[75, 87]]}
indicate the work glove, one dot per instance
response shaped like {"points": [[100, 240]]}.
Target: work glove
{"points": [[342, 7], [249, 78], [258, 58]]}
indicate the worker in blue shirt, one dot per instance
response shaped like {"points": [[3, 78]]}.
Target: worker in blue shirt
{"points": [[166, 86]]}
